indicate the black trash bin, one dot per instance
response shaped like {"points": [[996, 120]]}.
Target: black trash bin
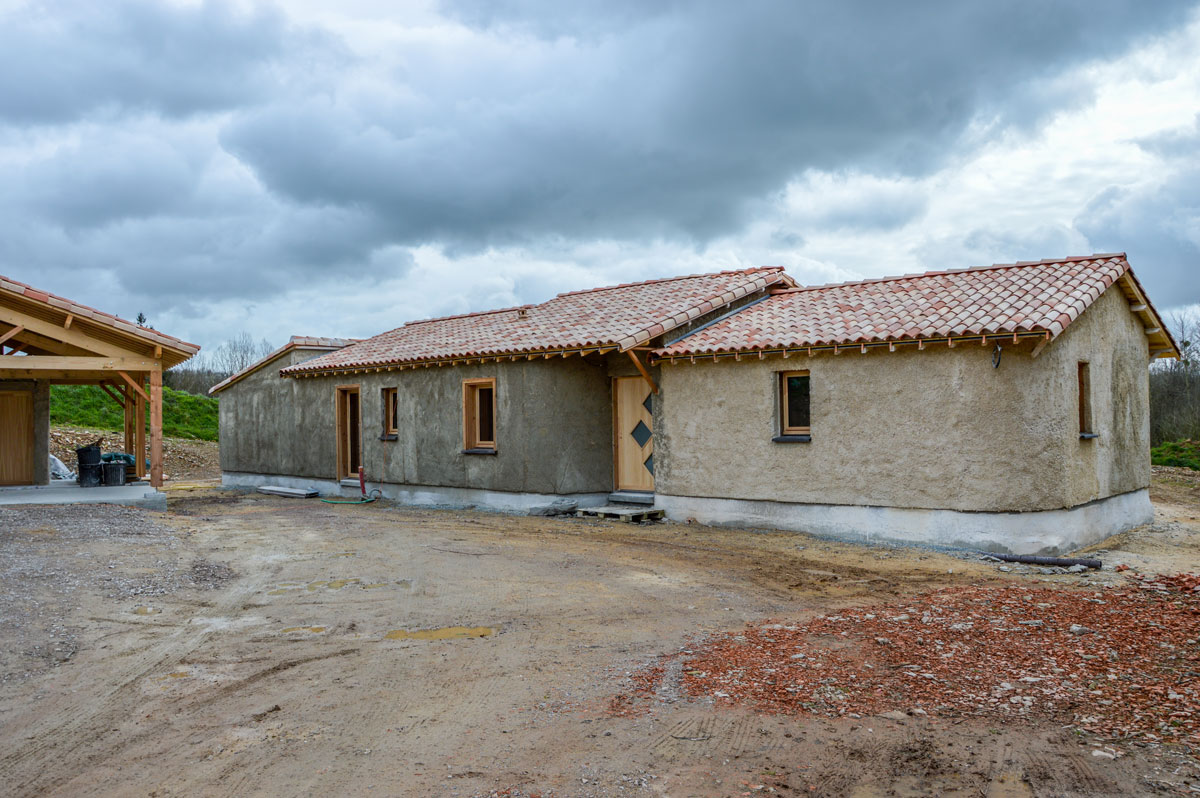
{"points": [[88, 455], [89, 475], [114, 473]]}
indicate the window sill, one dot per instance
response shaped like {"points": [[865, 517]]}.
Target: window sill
{"points": [[389, 437], [478, 451], [1087, 436], [792, 439]]}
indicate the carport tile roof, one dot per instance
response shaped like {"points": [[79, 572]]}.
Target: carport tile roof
{"points": [[12, 286], [621, 316], [1003, 298]]}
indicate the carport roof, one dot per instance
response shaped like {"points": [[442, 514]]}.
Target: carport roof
{"points": [[617, 317], [106, 324], [1003, 299]]}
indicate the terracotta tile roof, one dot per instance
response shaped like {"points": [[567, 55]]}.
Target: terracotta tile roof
{"points": [[312, 342], [1001, 299], [620, 316], [11, 286]]}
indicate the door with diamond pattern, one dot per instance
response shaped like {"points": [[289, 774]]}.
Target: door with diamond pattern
{"points": [[634, 432]]}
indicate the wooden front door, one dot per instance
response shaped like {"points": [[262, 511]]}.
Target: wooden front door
{"points": [[16, 438], [349, 431], [633, 430]]}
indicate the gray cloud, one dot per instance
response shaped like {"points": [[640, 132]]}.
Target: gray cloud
{"points": [[1157, 222], [62, 61], [675, 122], [187, 154]]}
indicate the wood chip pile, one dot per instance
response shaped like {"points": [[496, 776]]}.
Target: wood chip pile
{"points": [[1123, 662]]}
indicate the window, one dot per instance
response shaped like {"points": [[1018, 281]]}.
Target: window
{"points": [[1085, 401], [390, 406], [479, 415], [793, 404]]}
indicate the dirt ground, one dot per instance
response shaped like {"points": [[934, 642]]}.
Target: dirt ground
{"points": [[241, 644]]}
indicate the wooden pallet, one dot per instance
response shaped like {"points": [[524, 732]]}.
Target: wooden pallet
{"points": [[632, 515]]}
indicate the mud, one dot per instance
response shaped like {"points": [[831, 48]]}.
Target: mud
{"points": [[248, 682]]}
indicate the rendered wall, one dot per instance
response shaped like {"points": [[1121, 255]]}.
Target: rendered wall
{"points": [[272, 425], [934, 429], [553, 427]]}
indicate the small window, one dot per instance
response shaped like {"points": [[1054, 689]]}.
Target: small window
{"points": [[794, 403], [390, 407], [479, 414], [1085, 400]]}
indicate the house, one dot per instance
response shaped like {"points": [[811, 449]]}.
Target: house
{"points": [[48, 340], [1003, 407]]}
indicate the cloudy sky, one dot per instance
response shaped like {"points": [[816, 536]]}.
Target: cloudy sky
{"points": [[290, 169]]}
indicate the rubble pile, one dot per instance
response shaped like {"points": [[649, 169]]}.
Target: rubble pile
{"points": [[1122, 661], [182, 458]]}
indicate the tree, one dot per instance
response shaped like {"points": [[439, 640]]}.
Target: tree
{"points": [[1175, 385], [142, 321], [206, 369]]}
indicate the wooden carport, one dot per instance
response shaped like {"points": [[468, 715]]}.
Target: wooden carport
{"points": [[48, 340]]}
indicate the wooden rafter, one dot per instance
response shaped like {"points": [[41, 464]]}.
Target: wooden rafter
{"points": [[642, 369], [14, 331], [115, 397], [134, 385], [72, 335]]}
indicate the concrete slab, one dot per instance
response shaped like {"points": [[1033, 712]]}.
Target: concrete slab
{"points": [[135, 495]]}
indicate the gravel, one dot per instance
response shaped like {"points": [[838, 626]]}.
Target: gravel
{"points": [[59, 564]]}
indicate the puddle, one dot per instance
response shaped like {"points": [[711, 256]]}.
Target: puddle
{"points": [[174, 675], [444, 633], [144, 610], [316, 630], [285, 588]]}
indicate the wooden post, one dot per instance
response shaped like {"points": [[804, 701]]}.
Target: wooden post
{"points": [[156, 437], [139, 423], [130, 414]]}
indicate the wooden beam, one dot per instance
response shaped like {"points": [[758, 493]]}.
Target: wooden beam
{"points": [[1153, 330], [156, 436], [139, 424], [18, 348], [134, 385], [1139, 308], [645, 374], [67, 323], [114, 396], [130, 435], [73, 336], [14, 331], [71, 363], [158, 354], [1037, 350], [50, 345]]}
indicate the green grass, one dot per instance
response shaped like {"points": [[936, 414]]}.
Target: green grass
{"points": [[184, 415], [1183, 454]]}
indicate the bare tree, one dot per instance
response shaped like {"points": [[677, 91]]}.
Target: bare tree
{"points": [[206, 369], [239, 352], [1175, 385]]}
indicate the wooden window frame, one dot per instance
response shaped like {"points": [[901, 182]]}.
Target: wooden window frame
{"points": [[471, 438], [785, 430], [1083, 383], [391, 427]]}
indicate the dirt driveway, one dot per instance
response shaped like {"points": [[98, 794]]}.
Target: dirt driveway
{"points": [[250, 645]]}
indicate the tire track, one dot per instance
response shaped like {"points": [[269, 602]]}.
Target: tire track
{"points": [[36, 763]]}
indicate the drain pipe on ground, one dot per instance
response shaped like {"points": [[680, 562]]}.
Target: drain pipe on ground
{"points": [[1030, 559], [362, 487]]}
